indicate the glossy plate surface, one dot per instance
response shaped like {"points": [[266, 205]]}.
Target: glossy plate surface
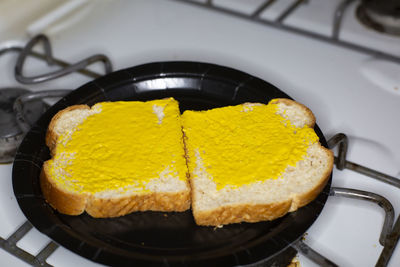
{"points": [[157, 238]]}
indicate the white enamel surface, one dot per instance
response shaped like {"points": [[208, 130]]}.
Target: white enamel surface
{"points": [[348, 92]]}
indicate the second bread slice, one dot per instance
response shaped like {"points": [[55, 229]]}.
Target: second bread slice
{"points": [[253, 162]]}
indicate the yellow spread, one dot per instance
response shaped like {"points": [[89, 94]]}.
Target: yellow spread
{"points": [[244, 144], [125, 145]]}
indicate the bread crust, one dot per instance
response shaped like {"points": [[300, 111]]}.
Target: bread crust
{"points": [[290, 102], [75, 203], [241, 213], [115, 207], [51, 135], [300, 200], [64, 201]]}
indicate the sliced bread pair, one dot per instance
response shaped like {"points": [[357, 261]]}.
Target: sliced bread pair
{"points": [[249, 163]]}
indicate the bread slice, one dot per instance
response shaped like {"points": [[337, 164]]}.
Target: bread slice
{"points": [[253, 162], [115, 158]]}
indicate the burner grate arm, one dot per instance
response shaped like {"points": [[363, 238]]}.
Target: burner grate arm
{"points": [[10, 245], [392, 236]]}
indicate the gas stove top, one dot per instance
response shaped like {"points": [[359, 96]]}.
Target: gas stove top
{"points": [[315, 51]]}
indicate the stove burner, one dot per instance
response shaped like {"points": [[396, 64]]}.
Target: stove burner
{"points": [[11, 134], [380, 15]]}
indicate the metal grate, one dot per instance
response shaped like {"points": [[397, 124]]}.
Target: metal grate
{"points": [[278, 23], [66, 68], [10, 245], [392, 235], [50, 60]]}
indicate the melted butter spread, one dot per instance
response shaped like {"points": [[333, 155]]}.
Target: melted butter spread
{"points": [[124, 146], [240, 145]]}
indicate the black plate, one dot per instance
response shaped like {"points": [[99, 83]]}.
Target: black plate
{"points": [[156, 238]]}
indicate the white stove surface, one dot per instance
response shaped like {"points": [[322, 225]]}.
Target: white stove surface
{"points": [[348, 91]]}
